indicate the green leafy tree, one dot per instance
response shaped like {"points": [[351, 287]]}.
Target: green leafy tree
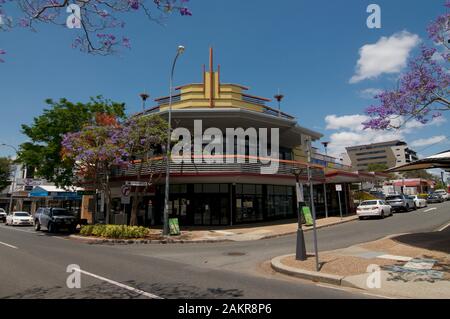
{"points": [[419, 174], [5, 172], [377, 167], [43, 151], [96, 150]]}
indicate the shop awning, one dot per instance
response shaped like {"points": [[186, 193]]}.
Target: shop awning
{"points": [[56, 192]]}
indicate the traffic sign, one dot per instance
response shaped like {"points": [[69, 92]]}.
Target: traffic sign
{"points": [[338, 188], [125, 190], [135, 183]]}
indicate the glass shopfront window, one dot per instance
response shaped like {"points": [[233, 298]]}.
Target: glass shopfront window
{"points": [[280, 201], [211, 204], [249, 203]]}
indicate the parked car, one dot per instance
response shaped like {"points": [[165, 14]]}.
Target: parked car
{"points": [[435, 198], [378, 194], [19, 218], [2, 215], [443, 193], [370, 208], [54, 219], [400, 202], [419, 202]]}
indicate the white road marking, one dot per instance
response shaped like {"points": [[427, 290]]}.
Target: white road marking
{"points": [[429, 209], [8, 245], [118, 284], [443, 227]]}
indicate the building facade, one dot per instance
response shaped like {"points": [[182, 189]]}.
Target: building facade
{"points": [[205, 193], [391, 154]]}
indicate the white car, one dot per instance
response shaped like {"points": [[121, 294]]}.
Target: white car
{"points": [[19, 218], [370, 208], [419, 202], [2, 215], [443, 193]]}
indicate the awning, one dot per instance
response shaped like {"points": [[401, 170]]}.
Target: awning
{"points": [[441, 160], [55, 192]]}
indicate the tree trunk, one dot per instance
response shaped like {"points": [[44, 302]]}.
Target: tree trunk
{"points": [[108, 200], [135, 205]]}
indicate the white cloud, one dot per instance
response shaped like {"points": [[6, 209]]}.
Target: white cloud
{"points": [[388, 55], [370, 93], [350, 122], [351, 132], [340, 140], [429, 141]]}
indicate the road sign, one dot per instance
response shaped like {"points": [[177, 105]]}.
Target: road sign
{"points": [[134, 183], [125, 198], [338, 188], [299, 190], [29, 182], [125, 190]]}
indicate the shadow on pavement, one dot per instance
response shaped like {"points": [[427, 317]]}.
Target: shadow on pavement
{"points": [[438, 241]]}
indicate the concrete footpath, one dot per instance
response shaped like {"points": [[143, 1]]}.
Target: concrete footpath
{"points": [[223, 234], [406, 266]]}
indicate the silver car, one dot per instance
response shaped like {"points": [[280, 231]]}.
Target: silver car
{"points": [[401, 202]]}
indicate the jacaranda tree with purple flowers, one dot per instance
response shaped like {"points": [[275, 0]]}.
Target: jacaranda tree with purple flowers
{"points": [[98, 21], [96, 150], [423, 90], [145, 135]]}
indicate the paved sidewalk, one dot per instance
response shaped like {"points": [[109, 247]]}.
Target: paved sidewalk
{"points": [[259, 231], [221, 234], [407, 266]]}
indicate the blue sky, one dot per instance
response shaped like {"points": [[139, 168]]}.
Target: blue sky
{"points": [[307, 49]]}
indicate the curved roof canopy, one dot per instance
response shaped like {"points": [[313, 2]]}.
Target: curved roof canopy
{"points": [[440, 160]]}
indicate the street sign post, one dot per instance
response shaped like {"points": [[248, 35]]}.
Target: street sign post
{"points": [[125, 192], [339, 190]]}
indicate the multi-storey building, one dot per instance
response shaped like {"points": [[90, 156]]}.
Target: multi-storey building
{"points": [[391, 154], [231, 192]]}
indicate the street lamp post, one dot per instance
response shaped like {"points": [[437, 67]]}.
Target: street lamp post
{"points": [[13, 182], [144, 96], [300, 250], [313, 208], [180, 51]]}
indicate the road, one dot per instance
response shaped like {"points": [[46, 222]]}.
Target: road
{"points": [[33, 265]]}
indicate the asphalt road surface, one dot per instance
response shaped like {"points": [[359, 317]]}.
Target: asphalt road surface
{"points": [[34, 264]]}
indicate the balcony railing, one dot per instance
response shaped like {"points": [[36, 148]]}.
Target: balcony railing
{"points": [[157, 166]]}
